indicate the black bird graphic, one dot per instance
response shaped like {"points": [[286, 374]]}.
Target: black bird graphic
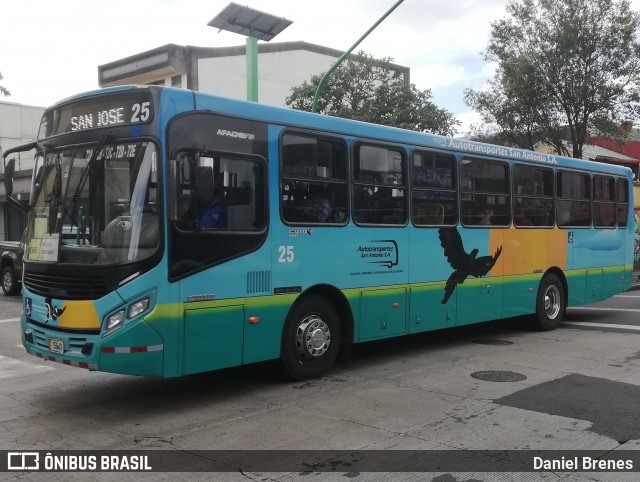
{"points": [[52, 312], [464, 264]]}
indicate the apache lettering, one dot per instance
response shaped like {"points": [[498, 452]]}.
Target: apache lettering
{"points": [[239, 135]]}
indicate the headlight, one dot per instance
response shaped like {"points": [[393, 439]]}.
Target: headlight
{"points": [[115, 319], [138, 307]]}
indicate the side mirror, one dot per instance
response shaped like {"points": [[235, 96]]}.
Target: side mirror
{"points": [[9, 169]]}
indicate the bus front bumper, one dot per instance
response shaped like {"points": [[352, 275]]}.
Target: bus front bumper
{"points": [[136, 349]]}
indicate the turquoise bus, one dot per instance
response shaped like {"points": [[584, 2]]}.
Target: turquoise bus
{"points": [[172, 232]]}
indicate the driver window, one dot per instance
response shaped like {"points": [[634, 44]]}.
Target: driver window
{"points": [[216, 192]]}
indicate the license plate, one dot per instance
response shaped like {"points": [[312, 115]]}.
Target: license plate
{"points": [[56, 345]]}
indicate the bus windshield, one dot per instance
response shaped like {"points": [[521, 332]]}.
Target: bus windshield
{"points": [[95, 204]]}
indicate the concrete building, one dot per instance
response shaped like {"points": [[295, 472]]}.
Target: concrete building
{"points": [[594, 152], [222, 71], [630, 148], [18, 125]]}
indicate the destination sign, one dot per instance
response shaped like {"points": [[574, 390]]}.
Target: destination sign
{"points": [[109, 110]]}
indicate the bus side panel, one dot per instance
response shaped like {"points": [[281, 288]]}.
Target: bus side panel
{"points": [[213, 338], [528, 254], [383, 313], [165, 317], [519, 292], [427, 312], [480, 298], [148, 362], [262, 338], [597, 256], [428, 272]]}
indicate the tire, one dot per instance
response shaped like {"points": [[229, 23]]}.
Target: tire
{"points": [[551, 303], [10, 284], [311, 338]]}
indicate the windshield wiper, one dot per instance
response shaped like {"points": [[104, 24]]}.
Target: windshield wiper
{"points": [[85, 175]]}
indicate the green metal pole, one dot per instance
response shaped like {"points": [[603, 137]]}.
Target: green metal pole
{"points": [[325, 77], [252, 69]]}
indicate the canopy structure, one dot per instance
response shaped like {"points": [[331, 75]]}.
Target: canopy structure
{"points": [[255, 25]]}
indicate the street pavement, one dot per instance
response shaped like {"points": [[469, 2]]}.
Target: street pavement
{"points": [[575, 388]]}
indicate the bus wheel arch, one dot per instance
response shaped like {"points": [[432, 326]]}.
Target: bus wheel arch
{"points": [[551, 300], [312, 333]]}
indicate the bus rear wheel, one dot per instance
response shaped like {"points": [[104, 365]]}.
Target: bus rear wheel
{"points": [[311, 338], [551, 303]]}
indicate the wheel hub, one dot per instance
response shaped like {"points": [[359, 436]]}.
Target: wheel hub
{"points": [[6, 281], [552, 302], [313, 337]]}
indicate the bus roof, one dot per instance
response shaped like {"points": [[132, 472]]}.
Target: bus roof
{"points": [[320, 122]]}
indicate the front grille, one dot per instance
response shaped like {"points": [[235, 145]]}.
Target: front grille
{"points": [[40, 339], [81, 331], [72, 344], [66, 287]]}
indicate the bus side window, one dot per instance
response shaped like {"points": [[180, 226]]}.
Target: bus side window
{"points": [[313, 184], [485, 197], [532, 196], [622, 202], [379, 191], [574, 199], [433, 193]]}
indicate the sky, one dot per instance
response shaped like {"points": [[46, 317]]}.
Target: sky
{"points": [[51, 49]]}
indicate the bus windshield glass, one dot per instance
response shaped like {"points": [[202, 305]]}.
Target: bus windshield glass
{"points": [[95, 204]]}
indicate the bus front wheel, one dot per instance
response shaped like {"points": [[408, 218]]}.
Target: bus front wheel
{"points": [[311, 337], [551, 303]]}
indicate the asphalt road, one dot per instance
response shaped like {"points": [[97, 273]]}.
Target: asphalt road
{"points": [[495, 386]]}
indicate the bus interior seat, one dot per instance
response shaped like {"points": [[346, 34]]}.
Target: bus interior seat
{"points": [[429, 214]]}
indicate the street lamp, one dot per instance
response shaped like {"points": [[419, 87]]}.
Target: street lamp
{"points": [[255, 25], [325, 77]]}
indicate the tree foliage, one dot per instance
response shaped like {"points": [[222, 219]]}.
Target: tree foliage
{"points": [[373, 90], [3, 91], [566, 69]]}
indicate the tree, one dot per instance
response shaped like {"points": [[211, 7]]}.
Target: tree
{"points": [[3, 91], [372, 90], [565, 69]]}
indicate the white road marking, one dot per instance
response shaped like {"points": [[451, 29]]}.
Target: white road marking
{"points": [[10, 320], [603, 325], [11, 368], [634, 310]]}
